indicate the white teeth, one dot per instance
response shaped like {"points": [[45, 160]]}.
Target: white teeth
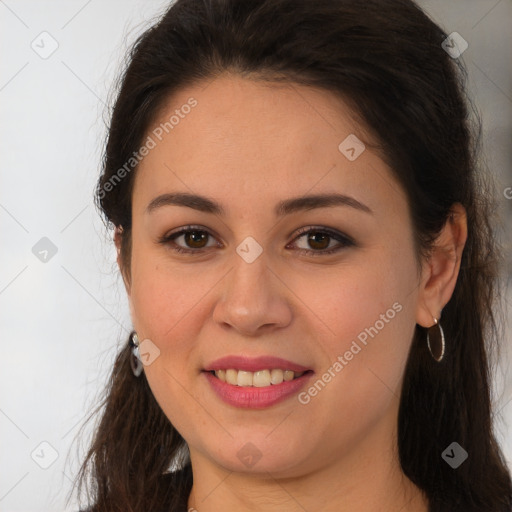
{"points": [[259, 379], [231, 377], [244, 378], [276, 376], [288, 375]]}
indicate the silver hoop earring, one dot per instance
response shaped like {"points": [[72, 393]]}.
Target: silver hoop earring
{"points": [[135, 361], [437, 347]]}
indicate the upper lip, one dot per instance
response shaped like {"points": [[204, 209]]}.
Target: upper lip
{"points": [[253, 364]]}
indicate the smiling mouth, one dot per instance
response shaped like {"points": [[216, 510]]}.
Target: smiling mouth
{"points": [[258, 379]]}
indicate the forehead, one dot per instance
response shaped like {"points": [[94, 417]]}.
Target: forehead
{"points": [[246, 140]]}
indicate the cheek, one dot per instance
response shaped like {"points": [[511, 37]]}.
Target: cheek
{"points": [[170, 306], [366, 316], [361, 302], [162, 295], [159, 309], [166, 307]]}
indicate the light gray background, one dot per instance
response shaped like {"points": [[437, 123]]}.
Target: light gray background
{"points": [[61, 320]]}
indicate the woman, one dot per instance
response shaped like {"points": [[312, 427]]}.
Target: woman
{"points": [[306, 247]]}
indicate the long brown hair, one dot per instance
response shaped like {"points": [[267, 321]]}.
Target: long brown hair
{"points": [[385, 58]]}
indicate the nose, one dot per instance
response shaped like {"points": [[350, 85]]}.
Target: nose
{"points": [[253, 299]]}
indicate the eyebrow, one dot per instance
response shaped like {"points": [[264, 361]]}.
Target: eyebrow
{"points": [[285, 207]]}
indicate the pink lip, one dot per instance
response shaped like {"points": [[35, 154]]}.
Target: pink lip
{"points": [[256, 398], [254, 364]]}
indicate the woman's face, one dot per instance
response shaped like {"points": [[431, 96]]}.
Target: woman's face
{"points": [[250, 289]]}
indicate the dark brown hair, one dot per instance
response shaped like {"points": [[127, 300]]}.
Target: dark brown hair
{"points": [[383, 57]]}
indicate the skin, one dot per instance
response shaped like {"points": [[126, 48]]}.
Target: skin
{"points": [[248, 145]]}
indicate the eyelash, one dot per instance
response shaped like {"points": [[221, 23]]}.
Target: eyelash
{"points": [[343, 239]]}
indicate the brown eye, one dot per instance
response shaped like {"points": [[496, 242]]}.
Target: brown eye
{"points": [[318, 241], [194, 240]]}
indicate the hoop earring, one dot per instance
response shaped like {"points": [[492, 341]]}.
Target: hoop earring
{"points": [[135, 361], [438, 341]]}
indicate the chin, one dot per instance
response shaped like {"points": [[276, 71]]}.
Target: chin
{"points": [[257, 455]]}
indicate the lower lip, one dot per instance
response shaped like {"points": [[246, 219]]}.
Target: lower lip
{"points": [[256, 398]]}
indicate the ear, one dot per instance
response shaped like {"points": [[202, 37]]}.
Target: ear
{"points": [[118, 239], [441, 269]]}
